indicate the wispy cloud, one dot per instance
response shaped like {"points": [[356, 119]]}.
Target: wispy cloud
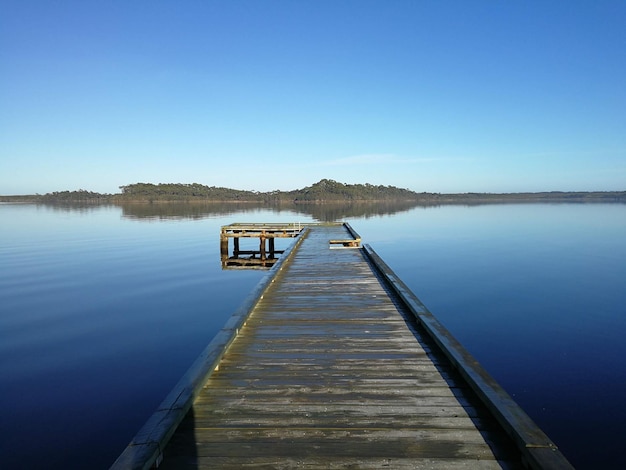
{"points": [[376, 159]]}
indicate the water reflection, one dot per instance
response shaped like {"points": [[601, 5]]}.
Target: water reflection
{"points": [[329, 212], [182, 210], [335, 212], [80, 207], [326, 212]]}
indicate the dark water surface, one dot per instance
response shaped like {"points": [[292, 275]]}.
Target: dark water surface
{"points": [[102, 309]]}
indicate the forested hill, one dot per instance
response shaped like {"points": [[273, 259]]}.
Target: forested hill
{"points": [[182, 192], [323, 191], [329, 190]]}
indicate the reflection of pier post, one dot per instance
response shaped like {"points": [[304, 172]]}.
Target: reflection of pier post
{"points": [[272, 251]]}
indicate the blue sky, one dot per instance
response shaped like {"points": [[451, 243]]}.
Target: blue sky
{"points": [[438, 96]]}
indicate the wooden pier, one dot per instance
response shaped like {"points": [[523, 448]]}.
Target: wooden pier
{"points": [[332, 362], [263, 258]]}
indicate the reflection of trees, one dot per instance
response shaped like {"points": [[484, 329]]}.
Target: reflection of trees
{"points": [[182, 210], [321, 212], [331, 212], [83, 207]]}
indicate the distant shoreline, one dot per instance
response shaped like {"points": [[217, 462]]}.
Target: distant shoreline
{"points": [[324, 192], [477, 198]]}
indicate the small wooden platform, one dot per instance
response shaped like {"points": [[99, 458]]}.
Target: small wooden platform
{"points": [[263, 258], [333, 364]]}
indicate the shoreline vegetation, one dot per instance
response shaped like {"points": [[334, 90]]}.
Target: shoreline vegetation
{"points": [[322, 192]]}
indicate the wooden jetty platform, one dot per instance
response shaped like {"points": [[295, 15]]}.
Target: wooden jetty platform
{"points": [[263, 258], [332, 362]]}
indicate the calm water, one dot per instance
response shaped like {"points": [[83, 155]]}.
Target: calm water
{"points": [[102, 309]]}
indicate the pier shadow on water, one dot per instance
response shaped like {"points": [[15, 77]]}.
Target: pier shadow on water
{"points": [[182, 452]]}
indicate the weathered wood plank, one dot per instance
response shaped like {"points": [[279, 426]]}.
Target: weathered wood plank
{"points": [[362, 417], [298, 442], [341, 420], [363, 463]]}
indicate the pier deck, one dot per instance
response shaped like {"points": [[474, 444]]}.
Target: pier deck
{"points": [[332, 366]]}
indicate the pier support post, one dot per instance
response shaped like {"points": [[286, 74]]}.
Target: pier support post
{"points": [[223, 245], [262, 246]]}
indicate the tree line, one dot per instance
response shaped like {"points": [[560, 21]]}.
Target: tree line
{"points": [[324, 191]]}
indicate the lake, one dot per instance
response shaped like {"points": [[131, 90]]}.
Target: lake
{"points": [[103, 308]]}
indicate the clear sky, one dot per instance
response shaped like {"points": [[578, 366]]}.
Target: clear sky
{"points": [[438, 96]]}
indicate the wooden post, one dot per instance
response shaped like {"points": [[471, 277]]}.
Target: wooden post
{"points": [[262, 246], [223, 245]]}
